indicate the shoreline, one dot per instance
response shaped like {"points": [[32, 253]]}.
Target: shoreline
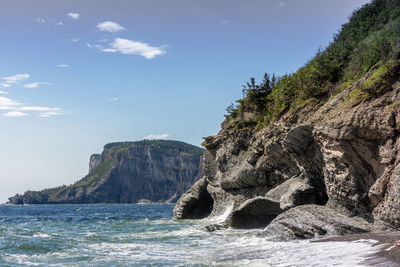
{"points": [[388, 254]]}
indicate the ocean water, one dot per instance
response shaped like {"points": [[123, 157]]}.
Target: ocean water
{"points": [[146, 235]]}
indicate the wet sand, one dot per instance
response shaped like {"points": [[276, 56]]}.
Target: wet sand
{"points": [[389, 253]]}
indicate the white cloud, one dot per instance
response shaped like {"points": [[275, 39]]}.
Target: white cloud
{"points": [[156, 136], [110, 26], [15, 114], [35, 84], [49, 114], [44, 112], [114, 99], [75, 40], [60, 23], [282, 4], [63, 65], [73, 15], [17, 109], [8, 103], [125, 46], [40, 109], [40, 20], [13, 79], [5, 85], [3, 93]]}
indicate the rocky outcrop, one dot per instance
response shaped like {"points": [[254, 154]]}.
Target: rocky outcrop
{"points": [[310, 221], [197, 203], [94, 161], [130, 172], [254, 213], [329, 169]]}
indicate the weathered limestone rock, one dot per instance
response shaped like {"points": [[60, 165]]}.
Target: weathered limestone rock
{"points": [[127, 172], [254, 213], [295, 192], [94, 161], [312, 221], [197, 203], [342, 155]]}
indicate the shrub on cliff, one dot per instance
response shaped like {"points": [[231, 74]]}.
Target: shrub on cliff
{"points": [[370, 38]]}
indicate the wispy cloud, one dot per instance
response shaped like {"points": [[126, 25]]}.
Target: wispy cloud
{"points": [[37, 108], [110, 26], [13, 80], [282, 4], [8, 103], [40, 20], [15, 114], [75, 40], [3, 93], [49, 114], [114, 99], [17, 109], [16, 78], [44, 112], [60, 23], [125, 46], [35, 84], [156, 136], [73, 15], [63, 65]]}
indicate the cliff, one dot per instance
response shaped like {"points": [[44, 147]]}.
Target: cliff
{"points": [[129, 172], [316, 153]]}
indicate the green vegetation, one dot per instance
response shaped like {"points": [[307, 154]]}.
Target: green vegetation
{"points": [[369, 41], [170, 145], [112, 153]]}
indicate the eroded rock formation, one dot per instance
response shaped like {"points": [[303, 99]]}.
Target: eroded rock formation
{"points": [[331, 169], [129, 172]]}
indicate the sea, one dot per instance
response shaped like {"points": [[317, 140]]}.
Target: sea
{"points": [[147, 235]]}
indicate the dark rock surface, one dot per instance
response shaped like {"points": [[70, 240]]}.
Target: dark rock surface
{"points": [[254, 213], [310, 221], [341, 156], [129, 172], [197, 203]]}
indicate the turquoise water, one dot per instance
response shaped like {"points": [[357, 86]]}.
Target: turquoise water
{"points": [[146, 235]]}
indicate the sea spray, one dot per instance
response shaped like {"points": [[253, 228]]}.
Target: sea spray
{"points": [[140, 235]]}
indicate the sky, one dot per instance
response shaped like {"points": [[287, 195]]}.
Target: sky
{"points": [[75, 75]]}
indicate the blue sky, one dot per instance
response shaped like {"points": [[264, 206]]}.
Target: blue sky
{"points": [[75, 75]]}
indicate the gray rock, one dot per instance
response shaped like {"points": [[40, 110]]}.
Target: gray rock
{"points": [[341, 154], [213, 227], [94, 161], [294, 192], [127, 172], [254, 213], [196, 203], [310, 221]]}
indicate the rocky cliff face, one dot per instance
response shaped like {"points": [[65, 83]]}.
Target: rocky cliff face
{"points": [[342, 156], [146, 171], [94, 161]]}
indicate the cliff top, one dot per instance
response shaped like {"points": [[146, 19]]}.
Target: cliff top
{"points": [[170, 145], [100, 171]]}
